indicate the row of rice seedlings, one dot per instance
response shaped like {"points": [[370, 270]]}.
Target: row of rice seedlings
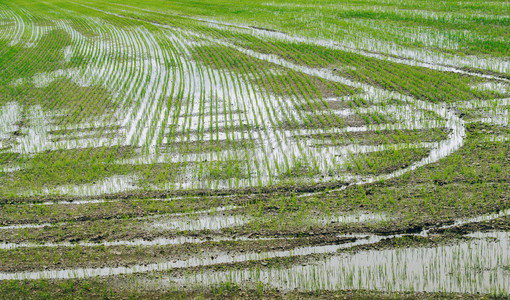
{"points": [[270, 112], [385, 32], [25, 67], [300, 84], [264, 173], [80, 106], [61, 101], [214, 169], [184, 118], [201, 125], [160, 123], [156, 105], [214, 125], [313, 104], [369, 69], [237, 126], [175, 101], [270, 48], [152, 130], [105, 77], [245, 108], [449, 93], [342, 39], [254, 109]]}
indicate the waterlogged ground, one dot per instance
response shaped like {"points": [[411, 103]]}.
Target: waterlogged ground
{"points": [[168, 149]]}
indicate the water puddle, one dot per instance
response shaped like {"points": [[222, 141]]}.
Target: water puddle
{"points": [[206, 260], [354, 218], [11, 168], [132, 243], [196, 213], [497, 87], [25, 226], [110, 185], [483, 218], [99, 201], [74, 202], [197, 223], [196, 220], [479, 266]]}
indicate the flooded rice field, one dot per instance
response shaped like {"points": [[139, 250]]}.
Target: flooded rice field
{"points": [[172, 150]]}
